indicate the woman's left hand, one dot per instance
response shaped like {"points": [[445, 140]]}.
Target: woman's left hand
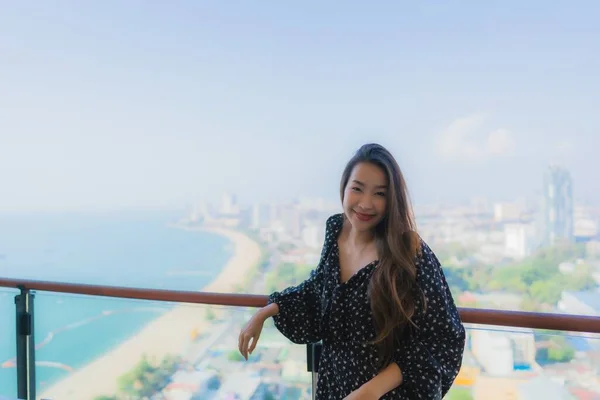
{"points": [[362, 393]]}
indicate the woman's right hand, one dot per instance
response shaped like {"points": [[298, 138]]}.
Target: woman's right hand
{"points": [[252, 332]]}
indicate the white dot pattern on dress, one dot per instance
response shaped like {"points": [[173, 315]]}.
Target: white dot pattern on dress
{"points": [[339, 314]]}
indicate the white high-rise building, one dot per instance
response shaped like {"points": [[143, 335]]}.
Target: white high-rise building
{"points": [[260, 216], [558, 205], [518, 240], [500, 352], [507, 212], [229, 205], [313, 236]]}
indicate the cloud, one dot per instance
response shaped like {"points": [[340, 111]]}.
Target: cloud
{"points": [[468, 139], [500, 142]]}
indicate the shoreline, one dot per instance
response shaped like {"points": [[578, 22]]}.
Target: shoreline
{"points": [[99, 377]]}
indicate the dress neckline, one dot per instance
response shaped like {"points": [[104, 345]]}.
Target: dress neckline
{"points": [[354, 276], [340, 224]]}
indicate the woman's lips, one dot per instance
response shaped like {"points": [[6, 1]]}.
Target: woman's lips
{"points": [[363, 217]]}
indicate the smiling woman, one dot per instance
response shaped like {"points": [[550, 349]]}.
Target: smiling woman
{"points": [[364, 192], [378, 299]]}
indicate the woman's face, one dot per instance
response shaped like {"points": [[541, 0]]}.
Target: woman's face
{"points": [[365, 196]]}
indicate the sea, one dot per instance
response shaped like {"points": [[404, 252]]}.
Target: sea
{"points": [[133, 249]]}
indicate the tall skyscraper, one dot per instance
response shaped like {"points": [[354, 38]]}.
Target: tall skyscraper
{"points": [[229, 204], [558, 206]]}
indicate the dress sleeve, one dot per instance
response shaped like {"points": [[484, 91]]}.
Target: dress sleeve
{"points": [[432, 356], [299, 317]]}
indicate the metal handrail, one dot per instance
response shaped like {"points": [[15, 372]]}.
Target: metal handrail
{"points": [[518, 319]]}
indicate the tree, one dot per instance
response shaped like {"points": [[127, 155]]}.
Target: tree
{"points": [[131, 383], [580, 279], [509, 279], [210, 314], [145, 379], [548, 292], [529, 304], [235, 355], [561, 354], [539, 278], [287, 274], [459, 394], [557, 350], [456, 279]]}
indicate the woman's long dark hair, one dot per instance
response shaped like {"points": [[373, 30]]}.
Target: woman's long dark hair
{"points": [[393, 286]]}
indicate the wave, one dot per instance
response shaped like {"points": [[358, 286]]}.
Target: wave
{"points": [[11, 363]]}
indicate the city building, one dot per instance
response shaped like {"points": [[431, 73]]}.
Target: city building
{"points": [[543, 388], [229, 205], [502, 353], [518, 239], [313, 236], [557, 206], [504, 212], [580, 303], [585, 228]]}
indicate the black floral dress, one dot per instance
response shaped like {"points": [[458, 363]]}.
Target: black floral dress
{"points": [[338, 314]]}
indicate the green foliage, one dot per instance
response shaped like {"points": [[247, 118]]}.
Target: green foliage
{"points": [[287, 274], [537, 278], [457, 279], [580, 279], [562, 354], [210, 314], [459, 394], [454, 250], [557, 351], [234, 355], [547, 292], [529, 304], [472, 278], [146, 379]]}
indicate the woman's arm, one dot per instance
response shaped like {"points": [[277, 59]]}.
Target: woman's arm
{"points": [[426, 363], [298, 313], [387, 380]]}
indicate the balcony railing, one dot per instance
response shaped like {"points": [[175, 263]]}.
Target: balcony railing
{"points": [[57, 344]]}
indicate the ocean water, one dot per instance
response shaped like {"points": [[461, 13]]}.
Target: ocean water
{"points": [[124, 249]]}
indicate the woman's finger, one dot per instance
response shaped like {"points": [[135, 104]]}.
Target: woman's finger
{"points": [[245, 343], [254, 341], [240, 341]]}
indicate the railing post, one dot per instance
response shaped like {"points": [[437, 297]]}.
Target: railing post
{"points": [[25, 345], [313, 355]]}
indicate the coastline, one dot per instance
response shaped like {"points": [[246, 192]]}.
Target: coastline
{"points": [[99, 377]]}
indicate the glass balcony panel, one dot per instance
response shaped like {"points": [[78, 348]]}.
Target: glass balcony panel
{"points": [[522, 364], [8, 344], [89, 347]]}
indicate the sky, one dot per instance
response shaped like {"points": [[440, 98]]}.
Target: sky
{"points": [[152, 104]]}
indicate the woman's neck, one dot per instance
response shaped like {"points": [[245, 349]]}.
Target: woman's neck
{"points": [[358, 239]]}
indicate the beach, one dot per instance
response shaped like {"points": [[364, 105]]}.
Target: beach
{"points": [[168, 334]]}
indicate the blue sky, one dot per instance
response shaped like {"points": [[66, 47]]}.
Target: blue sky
{"points": [[140, 104]]}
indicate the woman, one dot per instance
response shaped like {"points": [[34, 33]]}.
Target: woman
{"points": [[378, 299]]}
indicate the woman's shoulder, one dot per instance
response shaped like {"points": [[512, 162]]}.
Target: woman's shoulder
{"points": [[335, 221], [333, 227], [423, 251]]}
